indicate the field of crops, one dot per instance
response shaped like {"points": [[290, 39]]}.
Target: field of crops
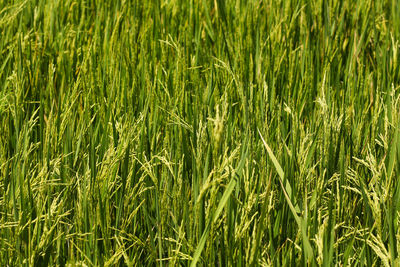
{"points": [[199, 133]]}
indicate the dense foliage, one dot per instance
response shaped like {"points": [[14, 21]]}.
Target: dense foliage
{"points": [[208, 132]]}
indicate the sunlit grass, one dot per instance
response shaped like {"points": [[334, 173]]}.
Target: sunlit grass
{"points": [[216, 133]]}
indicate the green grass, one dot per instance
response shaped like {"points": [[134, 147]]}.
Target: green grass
{"points": [[208, 133]]}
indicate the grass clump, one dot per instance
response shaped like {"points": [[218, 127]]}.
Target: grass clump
{"points": [[209, 133]]}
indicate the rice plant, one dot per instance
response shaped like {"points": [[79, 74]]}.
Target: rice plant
{"points": [[199, 133]]}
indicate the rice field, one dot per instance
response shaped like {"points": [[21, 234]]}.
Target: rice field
{"points": [[199, 133]]}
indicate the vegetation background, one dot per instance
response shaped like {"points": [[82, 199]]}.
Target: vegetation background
{"points": [[208, 132]]}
